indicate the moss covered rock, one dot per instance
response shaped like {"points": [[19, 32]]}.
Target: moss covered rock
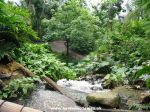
{"points": [[107, 99]]}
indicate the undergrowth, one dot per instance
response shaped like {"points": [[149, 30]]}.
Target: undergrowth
{"points": [[42, 62]]}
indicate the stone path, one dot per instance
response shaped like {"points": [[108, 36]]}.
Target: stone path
{"points": [[59, 47]]}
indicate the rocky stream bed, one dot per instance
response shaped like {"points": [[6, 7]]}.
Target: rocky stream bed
{"points": [[82, 94], [79, 98]]}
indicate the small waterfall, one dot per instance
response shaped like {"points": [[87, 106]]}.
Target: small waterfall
{"points": [[83, 86]]}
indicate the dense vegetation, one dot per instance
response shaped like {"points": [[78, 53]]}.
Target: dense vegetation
{"points": [[14, 27], [41, 62], [122, 44], [73, 22]]}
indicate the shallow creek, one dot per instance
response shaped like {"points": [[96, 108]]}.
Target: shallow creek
{"points": [[52, 101], [83, 86]]}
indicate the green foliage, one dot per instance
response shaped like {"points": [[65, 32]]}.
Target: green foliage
{"points": [[2, 1], [144, 107], [18, 88], [41, 62], [141, 14], [128, 45], [122, 45], [144, 70], [16, 20], [7, 46], [106, 11], [148, 82], [145, 73], [129, 50], [64, 59], [40, 9], [83, 30], [74, 22], [125, 45], [117, 77], [14, 27], [87, 65], [92, 63]]}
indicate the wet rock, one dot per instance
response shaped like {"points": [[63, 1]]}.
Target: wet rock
{"points": [[77, 96], [129, 96], [4, 76], [96, 78], [145, 98], [6, 59], [51, 101], [104, 68], [107, 99], [10, 70]]}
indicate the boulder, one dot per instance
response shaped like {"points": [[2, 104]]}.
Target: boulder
{"points": [[52, 101], [104, 99], [145, 98], [129, 97], [104, 68]]}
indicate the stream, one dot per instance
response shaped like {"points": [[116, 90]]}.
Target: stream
{"points": [[49, 101], [52, 101], [75, 99]]}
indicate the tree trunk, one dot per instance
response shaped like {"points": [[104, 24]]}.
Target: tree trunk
{"points": [[50, 82], [53, 84], [67, 54]]}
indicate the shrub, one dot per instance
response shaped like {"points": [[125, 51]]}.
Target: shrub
{"points": [[40, 61], [14, 27], [18, 88]]}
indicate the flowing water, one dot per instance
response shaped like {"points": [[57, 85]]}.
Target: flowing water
{"points": [[52, 101], [83, 86]]}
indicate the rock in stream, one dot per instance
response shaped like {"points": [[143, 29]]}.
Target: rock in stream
{"points": [[51, 101]]}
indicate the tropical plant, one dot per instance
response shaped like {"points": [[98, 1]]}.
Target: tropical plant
{"points": [[141, 14], [116, 77], [140, 107], [18, 88], [93, 63], [144, 74], [125, 43], [40, 9], [14, 27], [41, 62]]}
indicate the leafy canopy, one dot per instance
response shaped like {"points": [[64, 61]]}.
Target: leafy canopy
{"points": [[74, 22], [14, 27]]}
